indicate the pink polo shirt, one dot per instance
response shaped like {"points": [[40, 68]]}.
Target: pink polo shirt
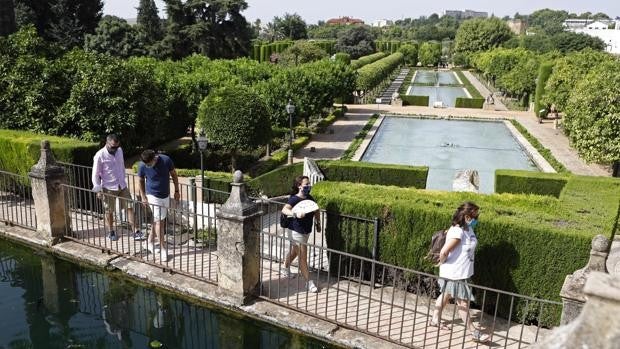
{"points": [[108, 170]]}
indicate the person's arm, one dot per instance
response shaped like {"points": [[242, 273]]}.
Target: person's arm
{"points": [[447, 248], [288, 210], [175, 180], [143, 190], [96, 176]]}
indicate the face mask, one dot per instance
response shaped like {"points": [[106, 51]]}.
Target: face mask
{"points": [[306, 189], [473, 223], [111, 150]]}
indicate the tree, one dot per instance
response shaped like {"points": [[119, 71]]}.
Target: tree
{"points": [[72, 19], [291, 26], [148, 22], [430, 53], [115, 37], [410, 52], [567, 42], [301, 52], [7, 17], [235, 118], [481, 34], [357, 41], [547, 21], [592, 118]]}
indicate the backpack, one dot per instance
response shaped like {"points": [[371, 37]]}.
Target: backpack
{"points": [[437, 242], [285, 221]]}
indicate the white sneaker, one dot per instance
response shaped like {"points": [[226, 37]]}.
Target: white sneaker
{"points": [[286, 273], [149, 247], [164, 256], [312, 287]]}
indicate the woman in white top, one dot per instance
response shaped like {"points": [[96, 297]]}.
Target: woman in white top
{"points": [[457, 266]]}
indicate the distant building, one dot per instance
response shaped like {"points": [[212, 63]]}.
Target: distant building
{"points": [[381, 23], [599, 29], [579, 23], [344, 21], [517, 26], [465, 14]]}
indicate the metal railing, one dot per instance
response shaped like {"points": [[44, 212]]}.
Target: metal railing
{"points": [[398, 308], [16, 204], [190, 231]]}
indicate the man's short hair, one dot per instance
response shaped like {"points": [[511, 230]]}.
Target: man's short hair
{"points": [[112, 137], [147, 156]]}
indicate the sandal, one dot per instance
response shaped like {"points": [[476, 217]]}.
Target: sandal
{"points": [[441, 325], [479, 337]]}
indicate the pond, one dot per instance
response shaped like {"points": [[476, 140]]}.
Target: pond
{"points": [[445, 94], [50, 303], [446, 146], [434, 77]]}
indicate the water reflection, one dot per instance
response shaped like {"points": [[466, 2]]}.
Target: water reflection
{"points": [[48, 303]]}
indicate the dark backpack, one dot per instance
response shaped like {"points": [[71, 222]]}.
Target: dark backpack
{"points": [[437, 242], [285, 221]]}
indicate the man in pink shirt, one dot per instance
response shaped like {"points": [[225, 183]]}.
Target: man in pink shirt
{"points": [[109, 183]]}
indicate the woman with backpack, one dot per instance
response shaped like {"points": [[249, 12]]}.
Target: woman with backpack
{"points": [[457, 266], [299, 229]]}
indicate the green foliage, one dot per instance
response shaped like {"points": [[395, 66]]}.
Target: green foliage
{"points": [[277, 182], [430, 53], [278, 157], [371, 173], [362, 61], [481, 34], [513, 70], [473, 91], [235, 118], [20, 150], [372, 74], [475, 103], [544, 72], [548, 21], [527, 182], [291, 26], [148, 22], [357, 141], [357, 41], [410, 51], [116, 37], [527, 243], [342, 57], [70, 20], [546, 153], [7, 18], [415, 100], [592, 119], [302, 52]]}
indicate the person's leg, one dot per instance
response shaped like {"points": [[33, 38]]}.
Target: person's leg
{"points": [[463, 306], [303, 261], [290, 257], [440, 303], [160, 228]]}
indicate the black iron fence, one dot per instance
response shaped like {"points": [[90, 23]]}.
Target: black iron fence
{"points": [[16, 205]]}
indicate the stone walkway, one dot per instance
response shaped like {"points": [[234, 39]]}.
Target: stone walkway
{"points": [[332, 146], [484, 91]]}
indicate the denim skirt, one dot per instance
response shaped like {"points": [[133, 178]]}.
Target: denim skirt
{"points": [[458, 289]]}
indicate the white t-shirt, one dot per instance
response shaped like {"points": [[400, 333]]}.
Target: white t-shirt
{"points": [[460, 262]]}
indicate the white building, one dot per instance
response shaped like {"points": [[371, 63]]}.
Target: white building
{"points": [[599, 29], [382, 23]]}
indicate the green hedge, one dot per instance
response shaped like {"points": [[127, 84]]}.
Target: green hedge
{"points": [[546, 153], [277, 182], [470, 88], [370, 75], [415, 100], [348, 154], [19, 150], [544, 72], [476, 103], [279, 157], [364, 60], [371, 173], [527, 243], [527, 182]]}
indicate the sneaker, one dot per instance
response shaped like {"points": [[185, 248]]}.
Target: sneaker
{"points": [[112, 235], [478, 336], [139, 236], [164, 256], [312, 287], [286, 273], [149, 247]]}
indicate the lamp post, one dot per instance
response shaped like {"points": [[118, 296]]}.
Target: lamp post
{"points": [[290, 109], [202, 146]]}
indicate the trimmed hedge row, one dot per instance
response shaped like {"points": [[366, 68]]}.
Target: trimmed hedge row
{"points": [[527, 182], [546, 153], [476, 103], [527, 243], [372, 74], [348, 154], [470, 88], [415, 100], [364, 60], [371, 173], [544, 72], [20, 150]]}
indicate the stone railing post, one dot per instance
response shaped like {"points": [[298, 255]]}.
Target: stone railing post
{"points": [[238, 264], [572, 293], [46, 178]]}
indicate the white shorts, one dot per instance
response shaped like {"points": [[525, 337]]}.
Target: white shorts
{"points": [[298, 237], [159, 207]]}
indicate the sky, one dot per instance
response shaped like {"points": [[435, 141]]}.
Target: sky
{"points": [[314, 10]]}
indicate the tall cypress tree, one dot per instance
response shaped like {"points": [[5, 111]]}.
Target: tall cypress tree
{"points": [[72, 19], [7, 17], [149, 23]]}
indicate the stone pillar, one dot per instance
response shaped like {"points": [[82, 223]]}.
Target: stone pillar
{"points": [[238, 246], [46, 178], [598, 325], [572, 293]]}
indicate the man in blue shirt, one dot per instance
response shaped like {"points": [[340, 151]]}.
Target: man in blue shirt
{"points": [[155, 171]]}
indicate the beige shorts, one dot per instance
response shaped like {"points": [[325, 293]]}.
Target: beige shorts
{"points": [[110, 196], [298, 237], [159, 207]]}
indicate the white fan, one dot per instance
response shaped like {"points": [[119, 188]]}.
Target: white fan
{"points": [[305, 207]]}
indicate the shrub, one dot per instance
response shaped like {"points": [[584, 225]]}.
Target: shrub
{"points": [[527, 182], [277, 182], [415, 100], [372, 74], [370, 173], [343, 57], [546, 153], [362, 61], [476, 103], [348, 154], [543, 75], [20, 150]]}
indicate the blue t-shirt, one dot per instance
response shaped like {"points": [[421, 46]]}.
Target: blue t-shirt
{"points": [[158, 176], [301, 225]]}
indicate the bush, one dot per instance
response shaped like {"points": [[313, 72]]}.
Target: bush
{"points": [[370, 173], [546, 153], [277, 158], [343, 58], [527, 243], [476, 103], [415, 100], [277, 182], [20, 150], [372, 74], [348, 154], [362, 61], [543, 75], [527, 182]]}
